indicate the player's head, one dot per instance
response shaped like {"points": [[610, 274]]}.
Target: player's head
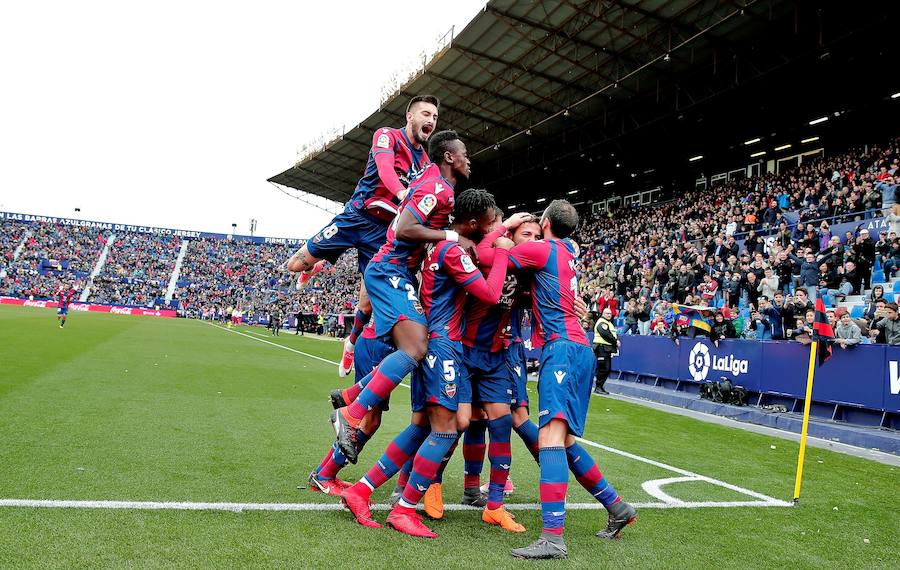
{"points": [[422, 116], [559, 219], [447, 150], [527, 231], [473, 212], [498, 219]]}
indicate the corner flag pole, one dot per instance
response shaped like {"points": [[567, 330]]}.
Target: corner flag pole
{"points": [[809, 385]]}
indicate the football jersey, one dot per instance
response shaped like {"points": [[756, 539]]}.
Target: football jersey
{"points": [[447, 275], [430, 201], [553, 289], [65, 297], [371, 195]]}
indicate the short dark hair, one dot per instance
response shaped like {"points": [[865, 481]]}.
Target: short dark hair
{"points": [[473, 204], [498, 212], [423, 99], [439, 143], [891, 306], [563, 218]]}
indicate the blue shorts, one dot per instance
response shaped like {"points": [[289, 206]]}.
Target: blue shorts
{"points": [[62, 311], [489, 376], [441, 377], [394, 295], [368, 354], [349, 229], [564, 383], [517, 367]]}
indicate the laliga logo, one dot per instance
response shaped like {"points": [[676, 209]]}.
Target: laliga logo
{"points": [[700, 361]]}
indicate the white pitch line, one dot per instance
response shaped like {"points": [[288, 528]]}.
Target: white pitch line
{"points": [[661, 465], [319, 358], [240, 507]]}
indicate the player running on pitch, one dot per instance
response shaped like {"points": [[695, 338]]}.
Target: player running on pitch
{"points": [[65, 294], [391, 282], [564, 385], [440, 382], [396, 159]]}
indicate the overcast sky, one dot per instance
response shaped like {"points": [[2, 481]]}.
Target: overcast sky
{"points": [[174, 114]]}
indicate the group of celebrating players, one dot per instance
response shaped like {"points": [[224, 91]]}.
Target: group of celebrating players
{"points": [[446, 281]]}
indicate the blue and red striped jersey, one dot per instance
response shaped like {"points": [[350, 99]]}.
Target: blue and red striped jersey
{"points": [[371, 194], [447, 276], [65, 297], [430, 201], [553, 289]]}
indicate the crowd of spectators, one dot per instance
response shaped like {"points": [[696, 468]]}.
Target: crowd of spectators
{"points": [[639, 260], [736, 246]]}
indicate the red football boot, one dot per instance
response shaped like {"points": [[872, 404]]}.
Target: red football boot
{"points": [[358, 504]]}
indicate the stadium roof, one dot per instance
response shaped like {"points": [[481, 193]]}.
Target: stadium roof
{"points": [[561, 94]]}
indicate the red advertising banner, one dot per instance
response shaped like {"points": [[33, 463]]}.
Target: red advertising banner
{"points": [[116, 309]]}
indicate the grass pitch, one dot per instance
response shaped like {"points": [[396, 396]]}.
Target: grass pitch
{"points": [[142, 409]]}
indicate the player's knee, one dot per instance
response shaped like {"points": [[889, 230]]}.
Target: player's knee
{"points": [[519, 415], [416, 348]]}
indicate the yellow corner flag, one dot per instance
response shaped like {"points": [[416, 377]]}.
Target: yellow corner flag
{"points": [[809, 384]]}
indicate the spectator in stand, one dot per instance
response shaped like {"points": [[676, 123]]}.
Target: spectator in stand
{"points": [[607, 299], [722, 327], [889, 325], [847, 332], [708, 290], [768, 285], [876, 295]]}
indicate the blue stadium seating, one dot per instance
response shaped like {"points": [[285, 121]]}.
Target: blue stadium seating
{"points": [[877, 277], [857, 311]]}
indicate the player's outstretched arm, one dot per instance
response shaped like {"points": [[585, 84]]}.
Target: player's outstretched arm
{"points": [[409, 228], [486, 290], [530, 255]]}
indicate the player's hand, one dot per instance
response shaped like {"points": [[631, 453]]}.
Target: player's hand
{"points": [[581, 308], [517, 220], [504, 243]]}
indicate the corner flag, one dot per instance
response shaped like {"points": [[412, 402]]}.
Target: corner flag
{"points": [[822, 333]]}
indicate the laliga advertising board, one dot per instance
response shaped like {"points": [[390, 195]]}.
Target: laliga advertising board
{"points": [[867, 376], [705, 361]]}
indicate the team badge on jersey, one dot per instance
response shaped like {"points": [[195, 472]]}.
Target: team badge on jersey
{"points": [[427, 204], [467, 264], [383, 141], [450, 390]]}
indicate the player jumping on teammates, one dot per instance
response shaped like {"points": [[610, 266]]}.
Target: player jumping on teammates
{"points": [[391, 283], [65, 294], [396, 159], [440, 381], [564, 385]]}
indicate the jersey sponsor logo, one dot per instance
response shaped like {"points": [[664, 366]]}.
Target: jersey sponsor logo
{"points": [[450, 390], [559, 376], [431, 359], [395, 281], [434, 267], [427, 204], [467, 264], [543, 413], [383, 141]]}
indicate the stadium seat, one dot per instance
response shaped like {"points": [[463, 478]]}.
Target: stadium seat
{"points": [[857, 311], [897, 287], [889, 297], [878, 277]]}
